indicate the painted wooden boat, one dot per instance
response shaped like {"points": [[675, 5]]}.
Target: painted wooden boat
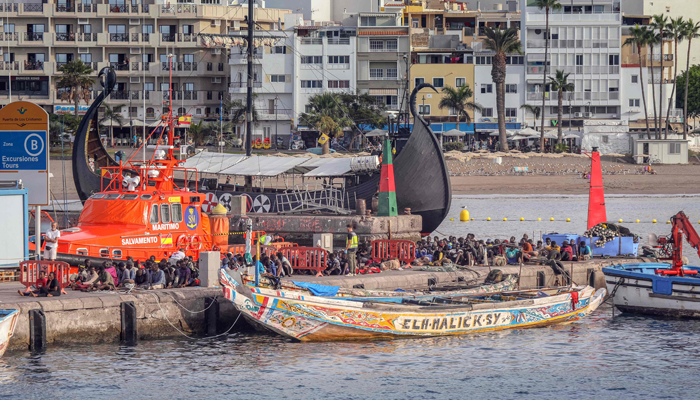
{"points": [[639, 288], [323, 319], [288, 288], [8, 321]]}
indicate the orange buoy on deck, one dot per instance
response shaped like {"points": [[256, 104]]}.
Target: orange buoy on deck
{"points": [[219, 226]]}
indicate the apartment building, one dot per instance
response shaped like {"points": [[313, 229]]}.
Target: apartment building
{"points": [[140, 39]]}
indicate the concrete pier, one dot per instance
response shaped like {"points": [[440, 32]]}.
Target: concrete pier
{"points": [[93, 318]]}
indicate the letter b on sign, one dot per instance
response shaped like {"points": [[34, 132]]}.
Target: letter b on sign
{"points": [[34, 145]]}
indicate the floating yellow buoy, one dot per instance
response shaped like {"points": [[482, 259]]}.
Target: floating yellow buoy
{"points": [[505, 219], [637, 221], [619, 220], [539, 219], [568, 220], [668, 222], [551, 219], [488, 218], [522, 219], [472, 219], [653, 221], [452, 219], [464, 215]]}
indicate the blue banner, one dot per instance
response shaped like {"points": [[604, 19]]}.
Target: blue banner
{"points": [[23, 150]]}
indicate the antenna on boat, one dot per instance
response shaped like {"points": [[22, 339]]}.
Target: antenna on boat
{"points": [[249, 92]]}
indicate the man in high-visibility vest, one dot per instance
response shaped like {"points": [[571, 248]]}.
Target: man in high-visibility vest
{"points": [[351, 249]]}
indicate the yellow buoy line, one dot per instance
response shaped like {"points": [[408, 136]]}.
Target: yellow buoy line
{"points": [[466, 218]]}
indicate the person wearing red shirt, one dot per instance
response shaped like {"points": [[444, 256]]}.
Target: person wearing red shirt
{"points": [[36, 288]]}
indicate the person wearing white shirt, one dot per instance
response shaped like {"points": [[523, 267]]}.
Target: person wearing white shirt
{"points": [[51, 239], [177, 256]]}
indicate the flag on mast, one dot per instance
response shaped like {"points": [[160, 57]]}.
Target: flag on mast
{"points": [[185, 120]]}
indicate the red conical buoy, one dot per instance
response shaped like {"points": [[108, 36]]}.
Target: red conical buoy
{"points": [[596, 194]]}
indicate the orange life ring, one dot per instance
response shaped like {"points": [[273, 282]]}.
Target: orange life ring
{"points": [[195, 243], [182, 241]]}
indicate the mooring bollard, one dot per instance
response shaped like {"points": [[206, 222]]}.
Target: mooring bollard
{"points": [[37, 331], [211, 315], [592, 279], [129, 334], [358, 286], [432, 282]]}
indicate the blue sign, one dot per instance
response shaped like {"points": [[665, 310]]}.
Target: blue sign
{"points": [[191, 218], [23, 150]]}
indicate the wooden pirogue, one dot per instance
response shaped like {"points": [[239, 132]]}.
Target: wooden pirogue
{"points": [[325, 319], [8, 321]]}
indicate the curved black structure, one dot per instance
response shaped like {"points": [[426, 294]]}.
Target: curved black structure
{"points": [[420, 171], [87, 142]]}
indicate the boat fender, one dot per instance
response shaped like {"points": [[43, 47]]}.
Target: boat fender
{"points": [[574, 300]]}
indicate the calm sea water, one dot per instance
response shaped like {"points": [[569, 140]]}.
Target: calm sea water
{"points": [[599, 357]]}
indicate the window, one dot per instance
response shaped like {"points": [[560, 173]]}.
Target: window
{"points": [[459, 82], [154, 214], [487, 112], [634, 102], [165, 213], [579, 59], [8, 57], [614, 59], [278, 78], [133, 111], [511, 112], [486, 88], [635, 78], [419, 81], [86, 58], [312, 84], [267, 132], [63, 58], [511, 88], [392, 44], [605, 138], [674, 148], [117, 28], [9, 28], [176, 209], [438, 82], [368, 21], [424, 109], [338, 59], [146, 28], [188, 58], [164, 87], [188, 29], [483, 60], [188, 87], [338, 84], [278, 50], [311, 59], [392, 73], [376, 45], [376, 73]]}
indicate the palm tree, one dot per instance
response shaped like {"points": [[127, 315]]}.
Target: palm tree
{"points": [[458, 100], [638, 38], [676, 31], [75, 77], [692, 30], [502, 42], [236, 110], [197, 132], [547, 6], [560, 83], [327, 105], [534, 110], [111, 115], [660, 22], [652, 39]]}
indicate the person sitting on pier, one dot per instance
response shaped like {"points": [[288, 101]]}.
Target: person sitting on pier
{"points": [[36, 287], [104, 281], [567, 253], [286, 265], [125, 273], [141, 278], [157, 278], [51, 289], [89, 279], [184, 276], [109, 267], [333, 265], [553, 251], [584, 251]]}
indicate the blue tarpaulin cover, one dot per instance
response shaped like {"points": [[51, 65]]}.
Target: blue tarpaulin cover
{"points": [[318, 290]]}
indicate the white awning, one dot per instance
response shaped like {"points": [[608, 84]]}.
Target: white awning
{"points": [[327, 167], [212, 163], [383, 92], [453, 132], [264, 166]]}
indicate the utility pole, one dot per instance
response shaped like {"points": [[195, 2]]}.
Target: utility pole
{"points": [[276, 97], [249, 97]]}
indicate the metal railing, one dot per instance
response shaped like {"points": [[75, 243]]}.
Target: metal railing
{"points": [[9, 65], [9, 36], [9, 7], [33, 7], [33, 65], [120, 95], [145, 8], [65, 8], [168, 37], [186, 8], [339, 41], [186, 37], [311, 41], [118, 37], [657, 57], [86, 7], [134, 95], [118, 8], [245, 84], [120, 66], [87, 37], [189, 95], [65, 37], [34, 36]]}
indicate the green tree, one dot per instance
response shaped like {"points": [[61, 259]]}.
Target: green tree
{"points": [[534, 110], [652, 38], [112, 115], [676, 31], [326, 105], [660, 22], [61, 123], [560, 83], [197, 133], [362, 109], [459, 100], [502, 42], [638, 38], [547, 6], [75, 77], [693, 93], [692, 30]]}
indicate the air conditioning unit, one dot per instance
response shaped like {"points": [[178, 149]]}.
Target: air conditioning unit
{"points": [[215, 22], [135, 79], [83, 21], [133, 21], [215, 52], [216, 80], [578, 115], [587, 115], [134, 50], [83, 50]]}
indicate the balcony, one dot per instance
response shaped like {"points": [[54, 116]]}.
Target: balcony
{"points": [[33, 65], [9, 66], [33, 7], [179, 66], [34, 36], [86, 37], [658, 80], [167, 37], [242, 87], [186, 38], [575, 96], [573, 44], [9, 36], [87, 8], [119, 66], [119, 37], [242, 58], [65, 37], [119, 95], [338, 41], [9, 7], [274, 114], [383, 49], [338, 66], [312, 41], [572, 18], [119, 8], [65, 8]]}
